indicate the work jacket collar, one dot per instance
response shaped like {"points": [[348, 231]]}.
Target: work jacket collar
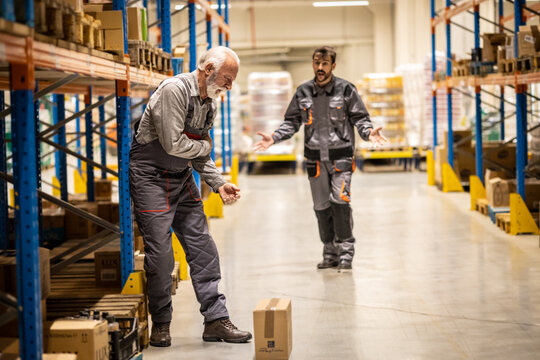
{"points": [[328, 88]]}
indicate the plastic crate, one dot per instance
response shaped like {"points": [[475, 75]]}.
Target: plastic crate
{"points": [[124, 344]]}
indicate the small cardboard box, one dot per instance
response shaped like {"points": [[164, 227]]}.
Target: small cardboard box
{"points": [[113, 39], [110, 20], [464, 164], [109, 211], [498, 192], [89, 339], [53, 224], [8, 272], [9, 345], [134, 23], [494, 153], [108, 270], [490, 46], [78, 227], [458, 136], [528, 40], [103, 189], [272, 324]]}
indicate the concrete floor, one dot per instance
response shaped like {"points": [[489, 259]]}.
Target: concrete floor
{"points": [[431, 279]]}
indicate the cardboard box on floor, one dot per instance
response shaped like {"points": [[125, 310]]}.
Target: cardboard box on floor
{"points": [[272, 324], [89, 339], [108, 270]]}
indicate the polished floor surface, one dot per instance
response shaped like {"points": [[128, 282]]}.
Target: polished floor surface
{"points": [[431, 279]]}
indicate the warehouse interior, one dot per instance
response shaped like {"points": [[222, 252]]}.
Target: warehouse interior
{"points": [[441, 206]]}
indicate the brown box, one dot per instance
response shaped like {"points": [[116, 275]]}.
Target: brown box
{"points": [[139, 244], [108, 270], [9, 345], [532, 194], [103, 189], [272, 323], [134, 23], [78, 227], [458, 136], [498, 192], [441, 157], [504, 156], [8, 272], [109, 211], [528, 40], [139, 261], [110, 20], [89, 339], [464, 164], [113, 39], [53, 225], [490, 46]]}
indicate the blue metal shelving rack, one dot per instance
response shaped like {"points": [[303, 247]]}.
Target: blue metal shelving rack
{"points": [[25, 135], [520, 84]]}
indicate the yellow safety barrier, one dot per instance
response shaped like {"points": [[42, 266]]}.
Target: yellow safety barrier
{"points": [[521, 220], [135, 283], [234, 170], [213, 206], [477, 190], [56, 188], [180, 256], [430, 168], [79, 179], [12, 197], [450, 180]]}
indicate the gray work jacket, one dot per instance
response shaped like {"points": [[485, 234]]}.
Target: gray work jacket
{"points": [[329, 116], [180, 123]]}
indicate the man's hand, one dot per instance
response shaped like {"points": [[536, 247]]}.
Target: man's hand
{"points": [[265, 143], [229, 193], [376, 137], [209, 139]]}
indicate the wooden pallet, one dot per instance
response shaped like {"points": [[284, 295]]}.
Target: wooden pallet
{"points": [[525, 64], [503, 221], [482, 206], [507, 66]]}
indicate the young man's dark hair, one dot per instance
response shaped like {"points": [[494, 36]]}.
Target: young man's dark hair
{"points": [[325, 51]]}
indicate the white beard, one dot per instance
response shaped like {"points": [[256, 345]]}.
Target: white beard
{"points": [[212, 90], [215, 91]]}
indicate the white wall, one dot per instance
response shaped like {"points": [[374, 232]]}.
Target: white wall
{"points": [[294, 31]]}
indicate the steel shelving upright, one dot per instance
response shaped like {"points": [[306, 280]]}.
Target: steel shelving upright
{"points": [[517, 80]]}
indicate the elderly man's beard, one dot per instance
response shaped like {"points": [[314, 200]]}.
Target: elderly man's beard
{"points": [[212, 89]]}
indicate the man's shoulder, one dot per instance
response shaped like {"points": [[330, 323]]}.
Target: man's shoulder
{"points": [[343, 83], [305, 86]]}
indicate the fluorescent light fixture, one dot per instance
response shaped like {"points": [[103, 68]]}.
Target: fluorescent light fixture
{"points": [[340, 3], [213, 6]]}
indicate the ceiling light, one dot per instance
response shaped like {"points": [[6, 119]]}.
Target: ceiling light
{"points": [[340, 3]]}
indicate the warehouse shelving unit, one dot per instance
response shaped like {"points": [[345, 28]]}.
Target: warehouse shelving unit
{"points": [[518, 211], [64, 71]]}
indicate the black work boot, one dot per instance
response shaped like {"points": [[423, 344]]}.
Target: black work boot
{"points": [[224, 330], [327, 264], [344, 265], [160, 334]]}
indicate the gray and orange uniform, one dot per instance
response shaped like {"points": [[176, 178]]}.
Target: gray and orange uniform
{"points": [[167, 146], [330, 116]]}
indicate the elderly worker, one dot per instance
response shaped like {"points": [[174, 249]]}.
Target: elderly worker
{"points": [[170, 141]]}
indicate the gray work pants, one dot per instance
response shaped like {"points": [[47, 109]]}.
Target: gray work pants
{"points": [[162, 199], [330, 183]]}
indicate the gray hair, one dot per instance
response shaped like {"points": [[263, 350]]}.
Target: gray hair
{"points": [[217, 57]]}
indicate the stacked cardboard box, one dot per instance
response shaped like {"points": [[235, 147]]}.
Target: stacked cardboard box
{"points": [[78, 227]]}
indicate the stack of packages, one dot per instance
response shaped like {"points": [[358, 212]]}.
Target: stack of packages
{"points": [[269, 96], [442, 103], [414, 79], [383, 97]]}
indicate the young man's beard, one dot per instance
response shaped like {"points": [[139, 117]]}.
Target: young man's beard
{"points": [[325, 76], [212, 89]]}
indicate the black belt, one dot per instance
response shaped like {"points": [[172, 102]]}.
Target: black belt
{"points": [[333, 154]]}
